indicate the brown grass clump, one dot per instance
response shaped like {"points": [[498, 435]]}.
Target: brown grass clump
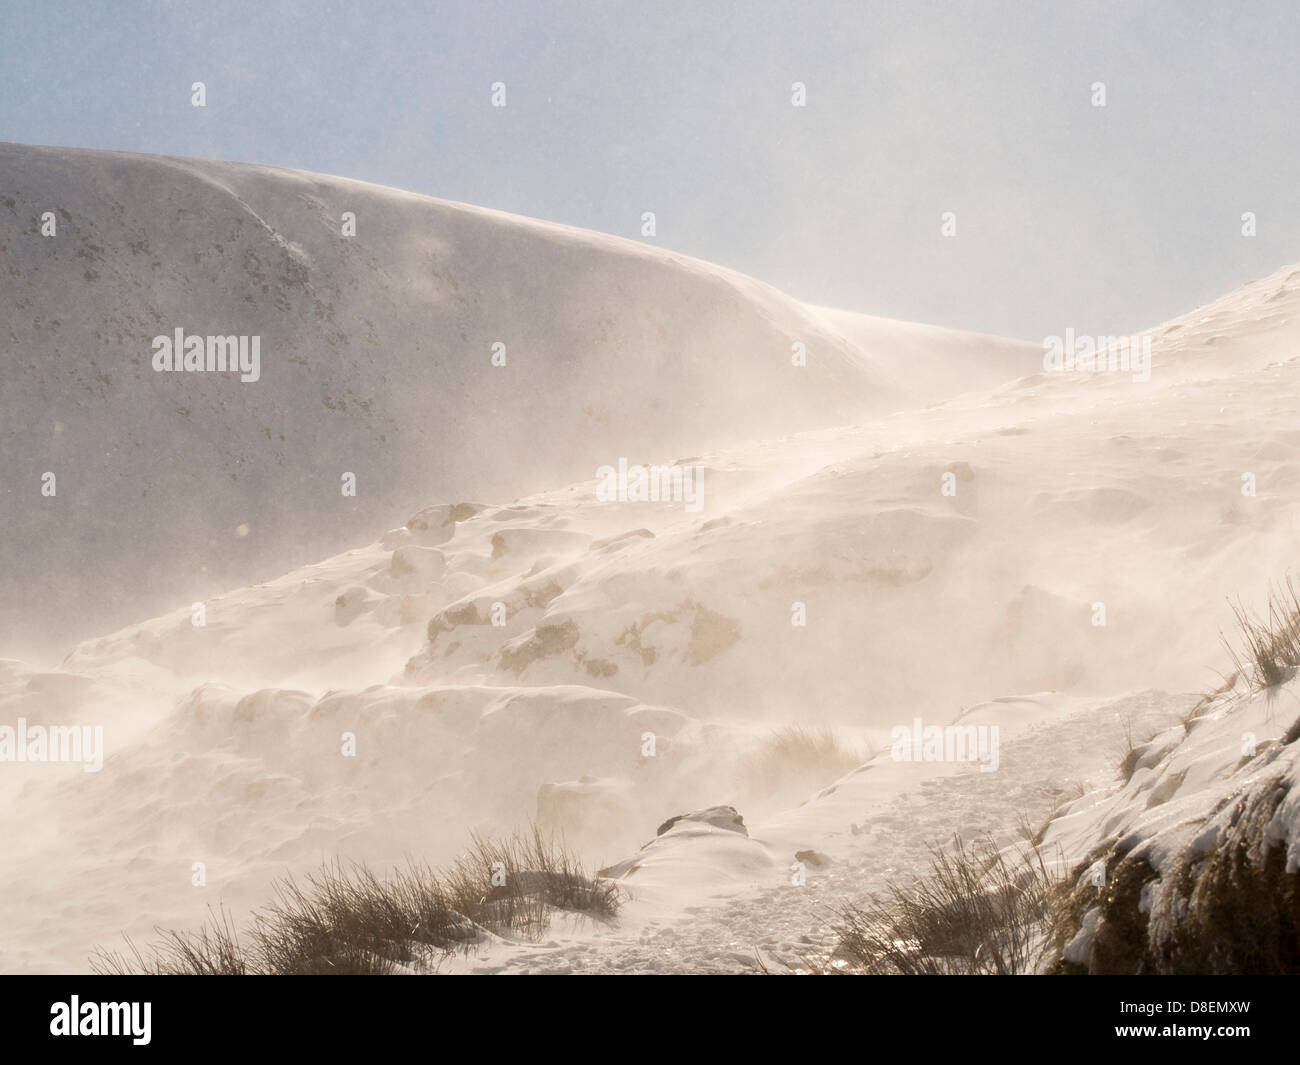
{"points": [[800, 757], [1268, 649], [350, 921], [981, 910]]}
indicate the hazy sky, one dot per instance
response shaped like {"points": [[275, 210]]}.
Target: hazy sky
{"points": [[1103, 219]]}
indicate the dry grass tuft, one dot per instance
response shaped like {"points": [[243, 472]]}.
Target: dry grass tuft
{"points": [[1268, 652], [1133, 749], [981, 910], [801, 757], [350, 921]]}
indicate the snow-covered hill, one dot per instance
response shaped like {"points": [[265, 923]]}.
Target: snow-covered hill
{"points": [[376, 359], [916, 524]]}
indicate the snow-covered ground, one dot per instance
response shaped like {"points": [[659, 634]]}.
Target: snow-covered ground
{"points": [[916, 524]]}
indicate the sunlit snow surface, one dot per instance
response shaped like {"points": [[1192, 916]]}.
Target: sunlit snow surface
{"points": [[822, 486]]}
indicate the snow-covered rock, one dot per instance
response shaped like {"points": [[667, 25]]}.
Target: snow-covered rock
{"points": [[1192, 866]]}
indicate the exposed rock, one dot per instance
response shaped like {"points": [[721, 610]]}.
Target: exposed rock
{"points": [[543, 642], [432, 525], [351, 604], [816, 859], [427, 563], [727, 817]]}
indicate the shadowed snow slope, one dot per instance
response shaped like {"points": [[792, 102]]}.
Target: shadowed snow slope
{"points": [[375, 359]]}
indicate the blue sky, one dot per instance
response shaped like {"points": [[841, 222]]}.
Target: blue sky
{"points": [[1101, 219]]}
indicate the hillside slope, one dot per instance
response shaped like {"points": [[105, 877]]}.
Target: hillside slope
{"points": [[499, 659], [375, 359]]}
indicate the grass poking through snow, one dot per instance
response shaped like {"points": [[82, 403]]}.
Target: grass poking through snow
{"points": [[350, 921], [1268, 648], [980, 910], [800, 757]]}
